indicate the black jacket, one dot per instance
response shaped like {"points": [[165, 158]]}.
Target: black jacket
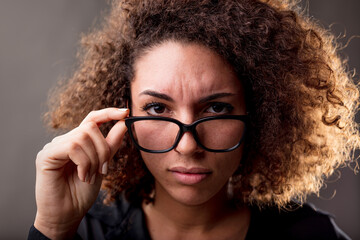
{"points": [[123, 220]]}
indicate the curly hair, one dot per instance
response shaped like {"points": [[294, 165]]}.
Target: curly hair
{"points": [[301, 99]]}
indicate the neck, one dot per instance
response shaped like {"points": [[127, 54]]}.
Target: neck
{"points": [[179, 220]]}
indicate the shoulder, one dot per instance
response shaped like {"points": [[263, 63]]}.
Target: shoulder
{"points": [[296, 222], [119, 220]]}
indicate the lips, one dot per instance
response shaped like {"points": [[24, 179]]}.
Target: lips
{"points": [[190, 176]]}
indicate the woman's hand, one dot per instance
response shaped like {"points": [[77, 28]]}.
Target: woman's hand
{"points": [[69, 172]]}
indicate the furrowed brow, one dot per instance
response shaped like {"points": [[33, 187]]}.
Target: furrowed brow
{"points": [[157, 95]]}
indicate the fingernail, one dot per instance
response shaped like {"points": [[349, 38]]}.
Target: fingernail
{"points": [[122, 109], [86, 177], [92, 181], [104, 168]]}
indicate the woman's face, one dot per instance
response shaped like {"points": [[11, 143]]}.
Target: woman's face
{"points": [[187, 82]]}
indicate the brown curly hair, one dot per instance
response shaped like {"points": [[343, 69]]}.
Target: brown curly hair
{"points": [[301, 99]]}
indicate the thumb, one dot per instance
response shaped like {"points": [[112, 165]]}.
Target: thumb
{"points": [[115, 136]]}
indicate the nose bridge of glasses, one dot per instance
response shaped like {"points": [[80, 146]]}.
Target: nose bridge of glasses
{"points": [[188, 127], [186, 143], [184, 128]]}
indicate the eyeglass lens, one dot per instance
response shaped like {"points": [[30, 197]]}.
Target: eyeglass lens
{"points": [[215, 134]]}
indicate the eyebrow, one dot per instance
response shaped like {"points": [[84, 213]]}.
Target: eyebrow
{"points": [[202, 100], [157, 95], [215, 96]]}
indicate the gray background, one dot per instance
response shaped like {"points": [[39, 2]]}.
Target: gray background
{"points": [[38, 42]]}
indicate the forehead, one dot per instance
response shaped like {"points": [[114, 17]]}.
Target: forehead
{"points": [[184, 67]]}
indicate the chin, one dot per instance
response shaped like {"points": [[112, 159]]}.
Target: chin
{"points": [[191, 199], [194, 196]]}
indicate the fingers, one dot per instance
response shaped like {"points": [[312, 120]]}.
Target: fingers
{"points": [[96, 148], [115, 136], [106, 149], [105, 115], [82, 160], [81, 146], [56, 155], [85, 145]]}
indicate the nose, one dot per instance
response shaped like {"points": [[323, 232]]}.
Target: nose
{"points": [[187, 145]]}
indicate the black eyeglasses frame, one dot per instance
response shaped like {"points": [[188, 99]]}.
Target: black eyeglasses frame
{"points": [[185, 128]]}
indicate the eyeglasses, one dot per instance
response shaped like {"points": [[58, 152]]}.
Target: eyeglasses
{"points": [[160, 134]]}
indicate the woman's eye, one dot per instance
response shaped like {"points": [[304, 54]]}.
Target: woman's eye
{"points": [[220, 108], [155, 108]]}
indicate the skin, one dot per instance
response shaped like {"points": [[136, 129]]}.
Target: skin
{"points": [[69, 169], [69, 172], [184, 80]]}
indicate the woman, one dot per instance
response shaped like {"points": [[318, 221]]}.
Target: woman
{"points": [[198, 120]]}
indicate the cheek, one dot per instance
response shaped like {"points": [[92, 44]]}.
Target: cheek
{"points": [[229, 162], [154, 162]]}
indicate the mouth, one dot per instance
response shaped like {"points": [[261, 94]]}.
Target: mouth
{"points": [[190, 176]]}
